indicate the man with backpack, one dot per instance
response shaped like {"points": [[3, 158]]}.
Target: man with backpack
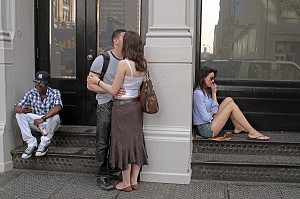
{"points": [[105, 66]]}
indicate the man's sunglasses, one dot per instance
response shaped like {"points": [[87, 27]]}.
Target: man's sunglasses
{"points": [[39, 84]]}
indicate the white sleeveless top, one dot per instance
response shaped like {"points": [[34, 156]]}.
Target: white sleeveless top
{"points": [[131, 84]]}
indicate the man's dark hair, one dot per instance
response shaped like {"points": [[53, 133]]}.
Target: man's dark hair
{"points": [[116, 34]]}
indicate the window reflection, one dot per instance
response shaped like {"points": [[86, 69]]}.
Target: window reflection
{"points": [[116, 14], [63, 38], [289, 8], [256, 40]]}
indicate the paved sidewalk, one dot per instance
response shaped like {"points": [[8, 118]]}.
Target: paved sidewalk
{"points": [[43, 184]]}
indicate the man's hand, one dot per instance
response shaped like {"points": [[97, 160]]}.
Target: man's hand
{"points": [[36, 122], [92, 79], [27, 109], [121, 92]]}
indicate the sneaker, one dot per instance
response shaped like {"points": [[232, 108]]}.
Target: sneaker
{"points": [[28, 152], [115, 175], [104, 183], [42, 150]]}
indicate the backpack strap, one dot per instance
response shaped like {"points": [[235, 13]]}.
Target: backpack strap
{"points": [[106, 59]]}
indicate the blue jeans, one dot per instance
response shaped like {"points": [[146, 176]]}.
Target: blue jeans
{"points": [[103, 115]]}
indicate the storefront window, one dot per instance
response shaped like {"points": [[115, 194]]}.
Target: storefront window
{"points": [[245, 46]]}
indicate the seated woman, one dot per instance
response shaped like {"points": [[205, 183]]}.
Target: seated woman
{"points": [[210, 117]]}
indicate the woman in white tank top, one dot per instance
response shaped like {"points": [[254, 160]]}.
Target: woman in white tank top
{"points": [[127, 150]]}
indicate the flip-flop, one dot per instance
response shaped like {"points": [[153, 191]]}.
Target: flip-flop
{"points": [[227, 136], [198, 137], [239, 132], [258, 138]]}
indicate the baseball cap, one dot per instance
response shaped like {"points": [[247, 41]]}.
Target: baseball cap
{"points": [[42, 77]]}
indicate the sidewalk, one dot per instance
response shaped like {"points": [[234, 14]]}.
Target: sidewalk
{"points": [[24, 184]]}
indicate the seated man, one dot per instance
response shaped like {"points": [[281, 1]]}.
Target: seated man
{"points": [[39, 110]]}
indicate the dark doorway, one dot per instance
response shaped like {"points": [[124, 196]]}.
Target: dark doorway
{"points": [[70, 34]]}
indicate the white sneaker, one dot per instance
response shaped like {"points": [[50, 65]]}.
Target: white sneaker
{"points": [[28, 152], [42, 150]]}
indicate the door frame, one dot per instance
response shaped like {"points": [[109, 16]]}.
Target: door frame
{"points": [[75, 96], [86, 43]]}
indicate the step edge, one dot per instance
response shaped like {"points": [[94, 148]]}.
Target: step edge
{"points": [[244, 164]]}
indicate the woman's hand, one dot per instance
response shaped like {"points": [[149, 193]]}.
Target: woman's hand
{"points": [[214, 88], [92, 79]]}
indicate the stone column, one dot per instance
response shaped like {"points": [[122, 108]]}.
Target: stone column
{"points": [[169, 52], [16, 70], [6, 57]]}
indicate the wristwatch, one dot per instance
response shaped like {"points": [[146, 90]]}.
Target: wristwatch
{"points": [[44, 118]]}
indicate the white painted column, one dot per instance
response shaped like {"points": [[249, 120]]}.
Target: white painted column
{"points": [[16, 70], [5, 62], [169, 52]]}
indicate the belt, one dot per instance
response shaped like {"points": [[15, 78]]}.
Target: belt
{"points": [[118, 102]]}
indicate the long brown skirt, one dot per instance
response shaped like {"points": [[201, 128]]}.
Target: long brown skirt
{"points": [[127, 136]]}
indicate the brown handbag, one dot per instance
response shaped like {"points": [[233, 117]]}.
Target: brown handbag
{"points": [[148, 97]]}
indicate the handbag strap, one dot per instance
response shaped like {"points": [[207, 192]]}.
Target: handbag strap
{"points": [[147, 75]]}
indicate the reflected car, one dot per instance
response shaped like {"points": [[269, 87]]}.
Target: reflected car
{"points": [[269, 70]]}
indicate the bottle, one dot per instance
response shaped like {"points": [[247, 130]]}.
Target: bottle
{"points": [[43, 131]]}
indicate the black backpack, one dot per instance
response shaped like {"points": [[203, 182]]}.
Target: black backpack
{"points": [[106, 60]]}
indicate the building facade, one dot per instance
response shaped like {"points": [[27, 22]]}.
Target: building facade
{"points": [[35, 34]]}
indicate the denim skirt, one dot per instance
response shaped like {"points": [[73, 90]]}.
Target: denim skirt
{"points": [[205, 130]]}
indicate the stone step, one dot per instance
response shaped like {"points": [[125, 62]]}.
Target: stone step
{"points": [[267, 105], [256, 168], [73, 136], [254, 160], [66, 159], [240, 159], [280, 143], [72, 149]]}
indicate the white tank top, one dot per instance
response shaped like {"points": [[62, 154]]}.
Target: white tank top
{"points": [[131, 84]]}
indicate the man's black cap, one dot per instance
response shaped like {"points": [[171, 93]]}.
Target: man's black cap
{"points": [[42, 77]]}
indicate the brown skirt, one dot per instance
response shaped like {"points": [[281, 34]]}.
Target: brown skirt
{"points": [[127, 136]]}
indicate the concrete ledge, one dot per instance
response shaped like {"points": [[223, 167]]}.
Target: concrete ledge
{"points": [[169, 151], [6, 166], [166, 177]]}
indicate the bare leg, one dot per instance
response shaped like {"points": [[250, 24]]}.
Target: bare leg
{"points": [[237, 127], [225, 102], [126, 178], [135, 170], [231, 109]]}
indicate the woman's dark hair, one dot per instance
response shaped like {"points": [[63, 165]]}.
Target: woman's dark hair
{"points": [[200, 83], [133, 49]]}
